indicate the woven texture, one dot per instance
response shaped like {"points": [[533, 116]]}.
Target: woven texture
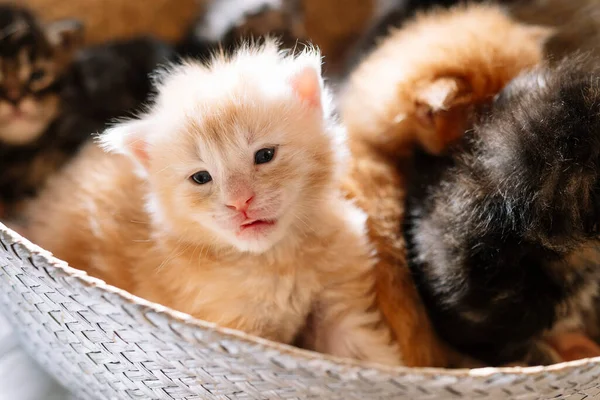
{"points": [[103, 343]]}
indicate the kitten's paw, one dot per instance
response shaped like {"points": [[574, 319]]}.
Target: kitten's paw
{"points": [[442, 108]]}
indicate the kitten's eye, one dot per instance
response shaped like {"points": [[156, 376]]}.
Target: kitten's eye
{"points": [[37, 75], [201, 177], [263, 156]]}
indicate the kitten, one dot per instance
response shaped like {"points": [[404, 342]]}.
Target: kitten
{"points": [[107, 20], [72, 99], [461, 57], [503, 232], [400, 95], [33, 63], [223, 201]]}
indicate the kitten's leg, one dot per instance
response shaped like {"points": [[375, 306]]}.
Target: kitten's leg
{"points": [[377, 188], [347, 323]]}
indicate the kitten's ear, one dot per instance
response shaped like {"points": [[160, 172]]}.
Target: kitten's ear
{"points": [[440, 95], [128, 138], [65, 35], [306, 84]]}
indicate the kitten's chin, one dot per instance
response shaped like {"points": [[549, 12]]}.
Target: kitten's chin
{"points": [[22, 131], [258, 237]]}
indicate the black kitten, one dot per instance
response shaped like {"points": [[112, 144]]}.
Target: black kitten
{"points": [[503, 233], [96, 85]]}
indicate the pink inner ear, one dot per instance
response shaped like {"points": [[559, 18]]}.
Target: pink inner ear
{"points": [[139, 149], [307, 86]]}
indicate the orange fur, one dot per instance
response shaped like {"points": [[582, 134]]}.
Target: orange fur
{"points": [[572, 346], [418, 86], [120, 19], [148, 229], [432, 73], [335, 25]]}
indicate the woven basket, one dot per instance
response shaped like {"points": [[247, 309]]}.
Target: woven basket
{"points": [[103, 343]]}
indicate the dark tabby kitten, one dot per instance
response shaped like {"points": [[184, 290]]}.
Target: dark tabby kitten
{"points": [[75, 101], [33, 61], [503, 233]]}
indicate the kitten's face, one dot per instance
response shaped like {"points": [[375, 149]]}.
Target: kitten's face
{"points": [[239, 152], [31, 62], [246, 173]]}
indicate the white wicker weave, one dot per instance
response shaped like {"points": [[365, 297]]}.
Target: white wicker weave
{"points": [[103, 343]]}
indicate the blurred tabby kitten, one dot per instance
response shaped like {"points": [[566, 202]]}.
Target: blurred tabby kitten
{"points": [[54, 98], [503, 233], [33, 62]]}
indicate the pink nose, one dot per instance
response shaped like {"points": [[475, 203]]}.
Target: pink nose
{"points": [[240, 204]]}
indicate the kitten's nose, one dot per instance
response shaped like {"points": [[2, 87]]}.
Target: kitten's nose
{"points": [[241, 203]]}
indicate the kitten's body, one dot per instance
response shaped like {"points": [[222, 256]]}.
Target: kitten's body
{"points": [[502, 233], [377, 178], [391, 17], [400, 95], [159, 235], [77, 95]]}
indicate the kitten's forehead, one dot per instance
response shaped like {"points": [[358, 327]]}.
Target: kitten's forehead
{"points": [[224, 106], [19, 31], [231, 104], [253, 73]]}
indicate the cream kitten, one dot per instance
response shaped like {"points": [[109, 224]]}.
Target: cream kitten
{"points": [[233, 212]]}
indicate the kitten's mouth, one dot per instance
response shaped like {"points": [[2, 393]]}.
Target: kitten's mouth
{"points": [[18, 115], [256, 224]]}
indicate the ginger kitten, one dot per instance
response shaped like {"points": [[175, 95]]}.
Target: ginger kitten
{"points": [[403, 94], [419, 85], [223, 201]]}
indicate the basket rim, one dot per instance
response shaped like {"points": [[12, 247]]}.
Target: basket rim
{"points": [[284, 349]]}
